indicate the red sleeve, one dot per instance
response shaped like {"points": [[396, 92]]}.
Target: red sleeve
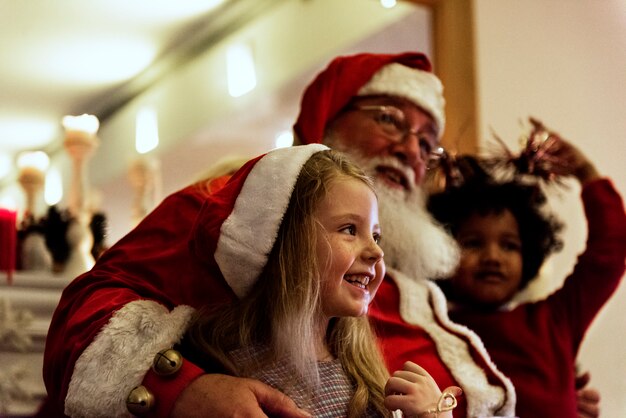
{"points": [[167, 389], [599, 269], [151, 263]]}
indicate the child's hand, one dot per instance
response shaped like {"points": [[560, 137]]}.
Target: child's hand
{"points": [[567, 160], [413, 391]]}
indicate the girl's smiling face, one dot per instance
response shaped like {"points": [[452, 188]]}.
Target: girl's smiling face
{"points": [[490, 270], [347, 248]]}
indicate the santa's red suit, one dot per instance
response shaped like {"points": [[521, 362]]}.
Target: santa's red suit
{"points": [[139, 297]]}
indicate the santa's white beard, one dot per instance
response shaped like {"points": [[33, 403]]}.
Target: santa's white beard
{"points": [[413, 242]]}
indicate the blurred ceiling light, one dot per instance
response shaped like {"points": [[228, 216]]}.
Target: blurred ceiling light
{"points": [[105, 60], [146, 130], [388, 4], [53, 192], [284, 139], [240, 70], [33, 159], [19, 132]]}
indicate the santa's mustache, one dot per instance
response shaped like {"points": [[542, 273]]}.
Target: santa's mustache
{"points": [[413, 242]]}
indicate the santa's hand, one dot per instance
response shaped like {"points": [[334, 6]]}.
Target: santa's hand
{"points": [[221, 396]]}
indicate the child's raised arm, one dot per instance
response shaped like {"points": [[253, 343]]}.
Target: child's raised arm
{"points": [[567, 160], [414, 392]]}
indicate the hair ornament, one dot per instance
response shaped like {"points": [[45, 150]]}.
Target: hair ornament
{"points": [[533, 161]]}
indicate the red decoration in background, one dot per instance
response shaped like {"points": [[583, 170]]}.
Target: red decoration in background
{"points": [[8, 242]]}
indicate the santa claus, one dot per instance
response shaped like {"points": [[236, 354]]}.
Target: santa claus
{"points": [[387, 112]]}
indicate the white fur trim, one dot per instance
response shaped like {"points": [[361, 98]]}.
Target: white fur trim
{"points": [[421, 87], [483, 399], [248, 234], [439, 303], [120, 355]]}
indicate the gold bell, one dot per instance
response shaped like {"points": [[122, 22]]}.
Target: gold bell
{"points": [[167, 362], [140, 400]]}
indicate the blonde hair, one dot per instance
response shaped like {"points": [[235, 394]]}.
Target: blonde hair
{"points": [[281, 310]]}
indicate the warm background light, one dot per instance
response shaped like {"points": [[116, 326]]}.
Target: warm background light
{"points": [[284, 139], [19, 132], [53, 192], [94, 60], [146, 131], [33, 159], [241, 72], [8, 202], [5, 164], [84, 123]]}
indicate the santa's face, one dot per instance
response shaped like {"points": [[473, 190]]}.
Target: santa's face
{"points": [[365, 127], [347, 248], [490, 271]]}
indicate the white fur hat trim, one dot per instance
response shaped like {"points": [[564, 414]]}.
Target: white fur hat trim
{"points": [[248, 234], [420, 87]]}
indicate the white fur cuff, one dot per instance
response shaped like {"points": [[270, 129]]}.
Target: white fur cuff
{"points": [[120, 355]]}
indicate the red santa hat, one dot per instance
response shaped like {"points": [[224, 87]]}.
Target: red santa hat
{"points": [[237, 226], [407, 75]]}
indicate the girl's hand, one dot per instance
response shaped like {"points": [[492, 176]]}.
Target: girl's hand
{"points": [[413, 391]]}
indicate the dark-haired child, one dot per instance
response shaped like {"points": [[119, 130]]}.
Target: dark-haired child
{"points": [[505, 238]]}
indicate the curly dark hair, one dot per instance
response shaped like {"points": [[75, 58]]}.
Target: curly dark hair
{"points": [[480, 193]]}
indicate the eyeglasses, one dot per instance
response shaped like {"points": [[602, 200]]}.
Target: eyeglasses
{"points": [[393, 124]]}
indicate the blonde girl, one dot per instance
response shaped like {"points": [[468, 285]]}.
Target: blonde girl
{"points": [[296, 238]]}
